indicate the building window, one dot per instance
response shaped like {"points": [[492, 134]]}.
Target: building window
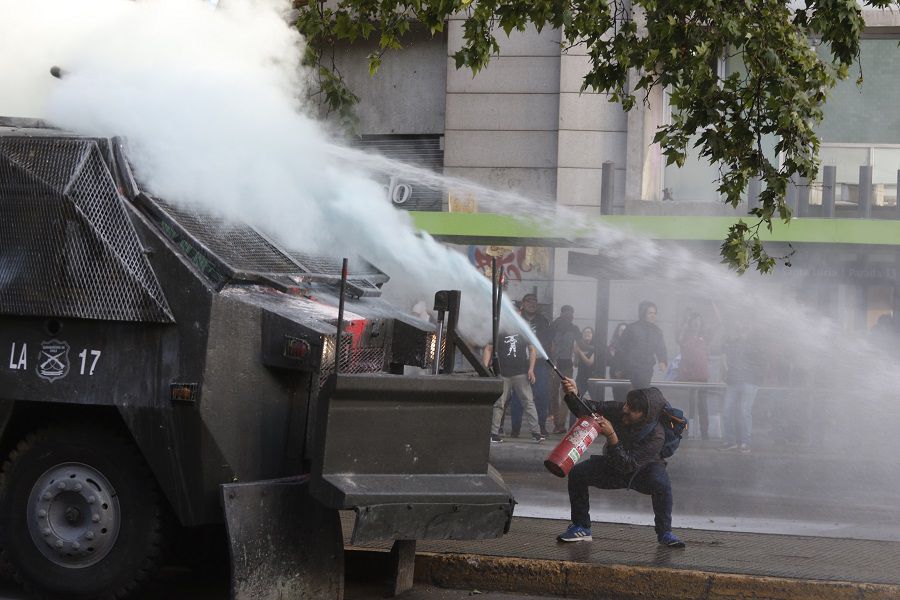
{"points": [[698, 180], [847, 158], [862, 125]]}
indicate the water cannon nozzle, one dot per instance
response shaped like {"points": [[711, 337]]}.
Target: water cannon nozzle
{"points": [[558, 372]]}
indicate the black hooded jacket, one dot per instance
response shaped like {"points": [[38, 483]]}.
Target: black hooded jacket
{"points": [[640, 347], [640, 444]]}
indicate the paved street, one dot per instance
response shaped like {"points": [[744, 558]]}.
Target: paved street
{"points": [[793, 491], [772, 490]]}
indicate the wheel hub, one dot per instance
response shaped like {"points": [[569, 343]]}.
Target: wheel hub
{"points": [[73, 515]]}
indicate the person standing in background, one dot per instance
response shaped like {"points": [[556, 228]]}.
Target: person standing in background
{"points": [[694, 367], [517, 359], [540, 325], [584, 358], [641, 348], [562, 352], [744, 368], [614, 360]]}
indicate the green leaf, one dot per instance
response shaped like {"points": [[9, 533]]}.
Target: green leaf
{"points": [[374, 64]]}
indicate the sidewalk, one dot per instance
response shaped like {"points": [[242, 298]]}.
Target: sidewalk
{"points": [[624, 562]]}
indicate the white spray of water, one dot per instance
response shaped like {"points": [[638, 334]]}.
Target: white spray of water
{"points": [[842, 412], [208, 100], [209, 103], [844, 361]]}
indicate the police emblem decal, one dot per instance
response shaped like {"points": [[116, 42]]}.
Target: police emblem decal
{"points": [[53, 362]]}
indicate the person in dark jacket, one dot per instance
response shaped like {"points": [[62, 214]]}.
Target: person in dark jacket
{"points": [[631, 460], [562, 352], [540, 389], [584, 357], [641, 347], [613, 358]]}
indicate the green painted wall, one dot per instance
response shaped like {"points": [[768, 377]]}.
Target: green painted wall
{"points": [[493, 228]]}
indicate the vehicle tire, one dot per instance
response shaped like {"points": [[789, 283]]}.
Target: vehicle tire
{"points": [[80, 514]]}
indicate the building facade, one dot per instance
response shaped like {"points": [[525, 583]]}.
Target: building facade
{"points": [[523, 125]]}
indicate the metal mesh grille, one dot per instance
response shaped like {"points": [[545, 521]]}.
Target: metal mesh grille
{"points": [[333, 266], [363, 275], [245, 250], [356, 360], [67, 247], [236, 244], [49, 160]]}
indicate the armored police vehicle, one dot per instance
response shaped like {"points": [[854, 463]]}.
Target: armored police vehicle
{"points": [[159, 362]]}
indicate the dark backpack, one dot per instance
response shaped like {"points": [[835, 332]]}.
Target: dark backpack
{"points": [[674, 424]]}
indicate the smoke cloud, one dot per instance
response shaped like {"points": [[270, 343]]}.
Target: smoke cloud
{"points": [[210, 102]]}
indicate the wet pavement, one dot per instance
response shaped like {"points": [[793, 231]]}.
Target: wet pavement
{"points": [[774, 489], [803, 513]]}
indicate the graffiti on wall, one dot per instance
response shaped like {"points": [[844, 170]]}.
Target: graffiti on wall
{"points": [[515, 261]]}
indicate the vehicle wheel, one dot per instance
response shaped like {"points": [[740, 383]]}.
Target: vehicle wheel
{"points": [[80, 514]]}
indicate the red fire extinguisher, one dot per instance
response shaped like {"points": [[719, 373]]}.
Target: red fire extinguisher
{"points": [[573, 446]]}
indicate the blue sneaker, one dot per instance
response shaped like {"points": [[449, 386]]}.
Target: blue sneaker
{"points": [[669, 539], [575, 533]]}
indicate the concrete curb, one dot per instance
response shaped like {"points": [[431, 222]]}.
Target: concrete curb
{"points": [[586, 580]]}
